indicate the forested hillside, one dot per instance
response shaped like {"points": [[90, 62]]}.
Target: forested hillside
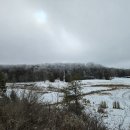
{"points": [[66, 72]]}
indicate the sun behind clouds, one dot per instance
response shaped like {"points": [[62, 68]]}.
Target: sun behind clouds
{"points": [[41, 17]]}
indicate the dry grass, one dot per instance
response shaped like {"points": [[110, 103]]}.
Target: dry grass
{"points": [[105, 93], [28, 114], [112, 85]]}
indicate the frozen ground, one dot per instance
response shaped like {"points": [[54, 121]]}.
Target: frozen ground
{"points": [[115, 119], [87, 89], [114, 81]]}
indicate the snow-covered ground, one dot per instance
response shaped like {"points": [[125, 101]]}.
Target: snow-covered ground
{"points": [[114, 81], [114, 118], [61, 84], [52, 97], [56, 84], [87, 89], [47, 97]]}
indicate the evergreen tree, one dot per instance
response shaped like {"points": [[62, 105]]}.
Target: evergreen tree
{"points": [[72, 97], [2, 82]]}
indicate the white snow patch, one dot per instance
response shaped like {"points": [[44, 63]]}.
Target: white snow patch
{"points": [[86, 89], [116, 117], [118, 81]]}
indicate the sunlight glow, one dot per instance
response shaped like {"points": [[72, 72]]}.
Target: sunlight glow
{"points": [[41, 17]]}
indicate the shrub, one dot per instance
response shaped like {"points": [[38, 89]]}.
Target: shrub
{"points": [[2, 82], [103, 104], [102, 107], [86, 102], [101, 110], [116, 105], [26, 114], [13, 96]]}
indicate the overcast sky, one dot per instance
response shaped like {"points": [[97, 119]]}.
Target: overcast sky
{"points": [[40, 31]]}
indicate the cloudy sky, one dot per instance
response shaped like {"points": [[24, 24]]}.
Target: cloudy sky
{"points": [[40, 31]]}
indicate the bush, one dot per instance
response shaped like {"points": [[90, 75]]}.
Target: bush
{"points": [[2, 82], [103, 104], [116, 105], [102, 107], [27, 114], [85, 101], [13, 96]]}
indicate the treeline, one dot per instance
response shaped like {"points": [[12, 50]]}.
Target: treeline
{"points": [[66, 72]]}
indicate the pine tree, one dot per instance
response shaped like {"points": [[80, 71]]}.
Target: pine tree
{"points": [[2, 82], [72, 97]]}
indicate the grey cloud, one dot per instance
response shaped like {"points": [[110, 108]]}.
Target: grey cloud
{"points": [[74, 31]]}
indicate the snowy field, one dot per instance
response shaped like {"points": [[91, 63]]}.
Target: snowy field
{"points": [[102, 90], [114, 81], [113, 118]]}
